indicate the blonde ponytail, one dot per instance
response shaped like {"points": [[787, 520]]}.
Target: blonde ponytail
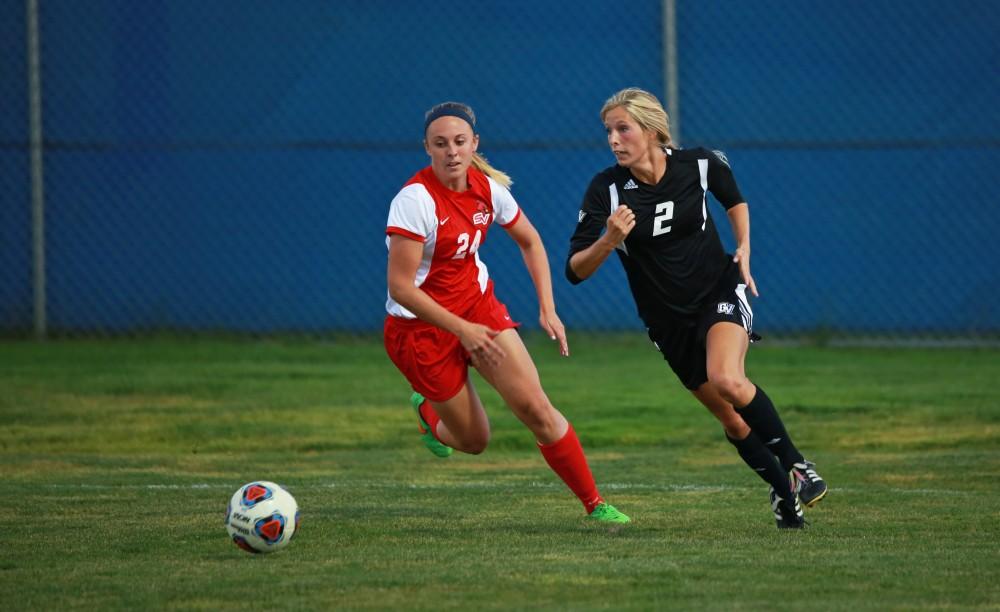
{"points": [[484, 166]]}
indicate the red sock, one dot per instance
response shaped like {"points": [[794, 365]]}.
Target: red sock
{"points": [[430, 417], [565, 457]]}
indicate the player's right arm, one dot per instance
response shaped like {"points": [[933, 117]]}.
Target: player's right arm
{"points": [[589, 247], [404, 258]]}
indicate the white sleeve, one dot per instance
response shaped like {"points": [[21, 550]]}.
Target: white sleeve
{"points": [[505, 208], [412, 213]]}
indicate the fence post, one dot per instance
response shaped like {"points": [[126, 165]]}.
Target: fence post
{"points": [[37, 178], [669, 34]]}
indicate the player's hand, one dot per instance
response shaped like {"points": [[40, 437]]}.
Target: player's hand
{"points": [[742, 257], [620, 223], [555, 329], [477, 340]]}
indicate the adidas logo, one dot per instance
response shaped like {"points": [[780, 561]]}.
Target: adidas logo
{"points": [[630, 185]]}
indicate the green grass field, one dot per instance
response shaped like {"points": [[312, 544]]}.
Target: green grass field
{"points": [[119, 457]]}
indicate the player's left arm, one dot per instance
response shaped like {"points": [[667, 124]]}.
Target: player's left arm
{"points": [[537, 262], [739, 220], [723, 186]]}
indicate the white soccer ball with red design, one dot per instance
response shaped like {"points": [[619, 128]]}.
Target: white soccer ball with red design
{"points": [[262, 517]]}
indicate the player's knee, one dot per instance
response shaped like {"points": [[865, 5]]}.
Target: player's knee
{"points": [[477, 447], [538, 414], [730, 386], [475, 443]]}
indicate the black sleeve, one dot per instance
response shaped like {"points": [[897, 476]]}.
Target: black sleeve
{"points": [[591, 221], [721, 182]]}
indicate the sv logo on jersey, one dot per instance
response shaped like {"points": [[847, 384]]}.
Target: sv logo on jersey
{"points": [[482, 217], [725, 308]]}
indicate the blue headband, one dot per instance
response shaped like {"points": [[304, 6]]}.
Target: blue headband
{"points": [[449, 110]]}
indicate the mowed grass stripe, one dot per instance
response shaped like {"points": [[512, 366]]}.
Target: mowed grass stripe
{"points": [[604, 486]]}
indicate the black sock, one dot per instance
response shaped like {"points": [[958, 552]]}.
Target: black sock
{"points": [[762, 418], [759, 458]]}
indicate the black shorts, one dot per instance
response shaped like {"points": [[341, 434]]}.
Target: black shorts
{"points": [[681, 340]]}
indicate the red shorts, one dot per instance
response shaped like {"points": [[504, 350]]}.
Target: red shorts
{"points": [[432, 359]]}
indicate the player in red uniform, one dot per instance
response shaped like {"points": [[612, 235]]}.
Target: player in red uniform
{"points": [[443, 314]]}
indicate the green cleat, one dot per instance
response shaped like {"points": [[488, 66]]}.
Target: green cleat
{"points": [[433, 444], [606, 513]]}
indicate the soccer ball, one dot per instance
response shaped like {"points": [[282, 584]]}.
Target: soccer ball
{"points": [[262, 517]]}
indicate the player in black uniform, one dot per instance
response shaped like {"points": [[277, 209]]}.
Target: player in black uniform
{"points": [[651, 208]]}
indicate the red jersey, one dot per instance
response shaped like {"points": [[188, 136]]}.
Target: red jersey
{"points": [[451, 225]]}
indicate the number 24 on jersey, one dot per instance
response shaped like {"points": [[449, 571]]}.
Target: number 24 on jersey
{"points": [[464, 248]]}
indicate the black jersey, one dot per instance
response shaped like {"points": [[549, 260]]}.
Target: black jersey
{"points": [[673, 257]]}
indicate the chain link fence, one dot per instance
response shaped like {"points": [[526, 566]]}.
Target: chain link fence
{"points": [[225, 167]]}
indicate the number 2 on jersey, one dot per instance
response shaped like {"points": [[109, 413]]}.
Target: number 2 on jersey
{"points": [[661, 221], [463, 244]]}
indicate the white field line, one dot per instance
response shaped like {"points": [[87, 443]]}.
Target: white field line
{"points": [[483, 485]]}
